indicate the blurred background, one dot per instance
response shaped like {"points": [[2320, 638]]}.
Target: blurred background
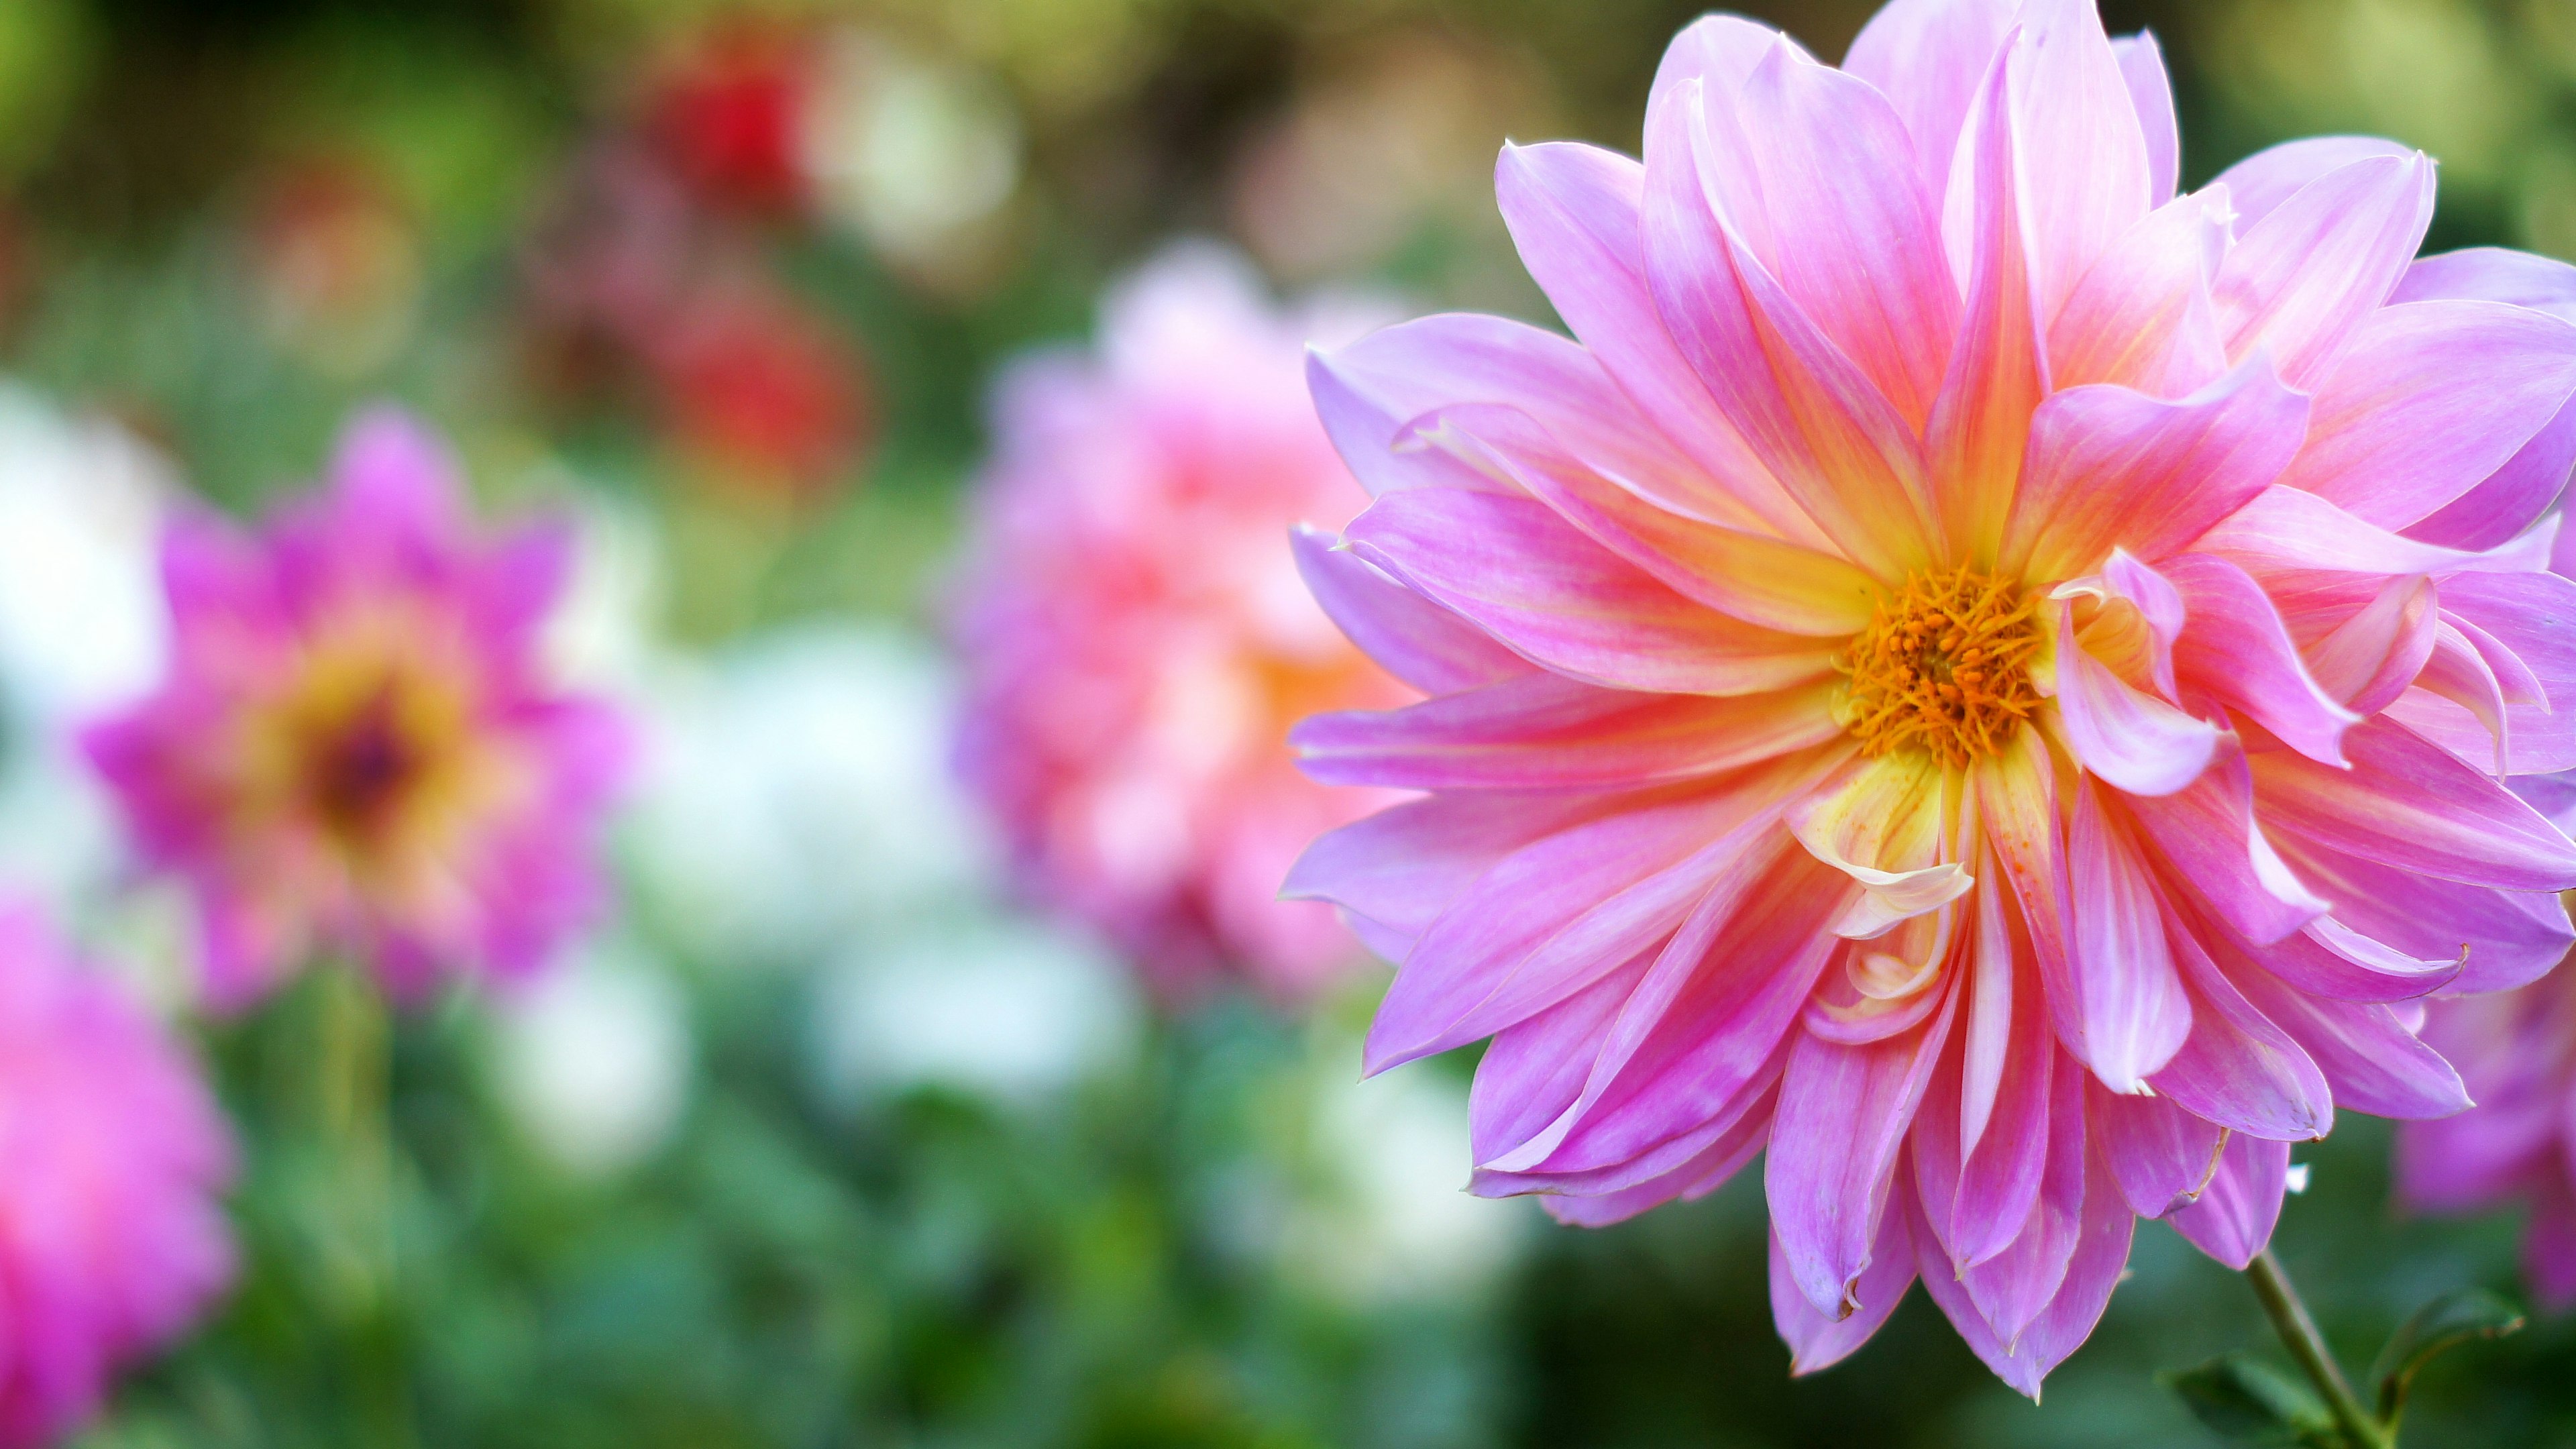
{"points": [[824, 1141]]}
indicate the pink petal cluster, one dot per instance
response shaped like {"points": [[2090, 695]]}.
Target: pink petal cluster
{"points": [[1136, 641], [357, 748], [112, 1238], [1972, 675]]}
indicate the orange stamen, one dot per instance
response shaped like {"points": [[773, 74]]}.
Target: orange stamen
{"points": [[1944, 666]]}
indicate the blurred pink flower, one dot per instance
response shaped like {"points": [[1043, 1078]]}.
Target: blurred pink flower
{"points": [[356, 748], [112, 1238], [1136, 640], [2516, 1052], [1973, 674]]}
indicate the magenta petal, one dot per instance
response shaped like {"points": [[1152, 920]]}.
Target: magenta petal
{"points": [[1546, 732], [2414, 805], [2206, 835], [1574, 215], [1836, 446], [2135, 1014], [2012, 1287], [2370, 658], [1416, 640], [2512, 498], [1696, 1178], [1842, 1119], [1518, 570], [2109, 467], [2101, 1253], [2372, 1062], [2285, 529], [1819, 1340], [2301, 280], [2160, 1155], [2125, 736], [1535, 1068], [2237, 1068], [2233, 1218], [2235, 647], [2427, 399], [2491, 274], [1401, 866], [1927, 57], [2511, 936], [2083, 149], [2142, 65], [2257, 185]]}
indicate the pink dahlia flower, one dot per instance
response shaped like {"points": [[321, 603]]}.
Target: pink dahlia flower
{"points": [[112, 1239], [1972, 673], [1136, 638], [356, 748]]}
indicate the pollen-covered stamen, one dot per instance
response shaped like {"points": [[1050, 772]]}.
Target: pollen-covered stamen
{"points": [[1944, 666]]}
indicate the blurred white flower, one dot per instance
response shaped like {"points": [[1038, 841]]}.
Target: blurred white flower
{"points": [[1390, 1218], [593, 1059], [1004, 1009], [600, 635], [916, 155], [81, 619], [797, 788]]}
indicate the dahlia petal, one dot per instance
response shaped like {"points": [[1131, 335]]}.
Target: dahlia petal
{"points": [[2011, 1288], [394, 475], [2369, 1058], [2161, 1156], [1820, 1340], [2237, 1068], [1841, 1124], [2141, 317], [2159, 605], [1693, 1160], [508, 593], [1415, 640], [2456, 672], [1545, 732], [1753, 577], [2134, 1011], [2084, 150], [1856, 241], [2513, 497], [1574, 215], [2261, 182], [2234, 1217], [2509, 936], [2126, 737], [1622, 883], [1928, 58], [1719, 50], [2491, 274], [2207, 836], [1535, 1068], [1837, 448], [1999, 371], [2288, 529], [2003, 1126], [1705, 1026], [2101, 1253], [1696, 1178], [1401, 866], [1516, 569], [2110, 467], [2525, 625], [2426, 400], [2235, 647], [1880, 824], [2142, 65], [214, 577], [2411, 804], [2370, 658], [2303, 278], [2016, 795]]}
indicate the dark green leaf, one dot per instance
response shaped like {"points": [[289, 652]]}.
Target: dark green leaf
{"points": [[2452, 1319], [2247, 1401]]}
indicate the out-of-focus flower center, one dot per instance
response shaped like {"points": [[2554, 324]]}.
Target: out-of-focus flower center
{"points": [[369, 748], [1944, 666]]}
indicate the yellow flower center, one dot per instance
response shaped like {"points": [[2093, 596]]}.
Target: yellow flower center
{"points": [[1943, 667]]}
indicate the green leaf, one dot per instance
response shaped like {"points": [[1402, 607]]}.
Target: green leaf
{"points": [[2447, 1321], [2247, 1401]]}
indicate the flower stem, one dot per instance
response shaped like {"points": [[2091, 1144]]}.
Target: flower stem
{"points": [[2299, 1334]]}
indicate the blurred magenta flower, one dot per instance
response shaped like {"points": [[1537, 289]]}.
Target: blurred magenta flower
{"points": [[2517, 1053], [1973, 673], [1135, 638], [356, 748], [112, 1238]]}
